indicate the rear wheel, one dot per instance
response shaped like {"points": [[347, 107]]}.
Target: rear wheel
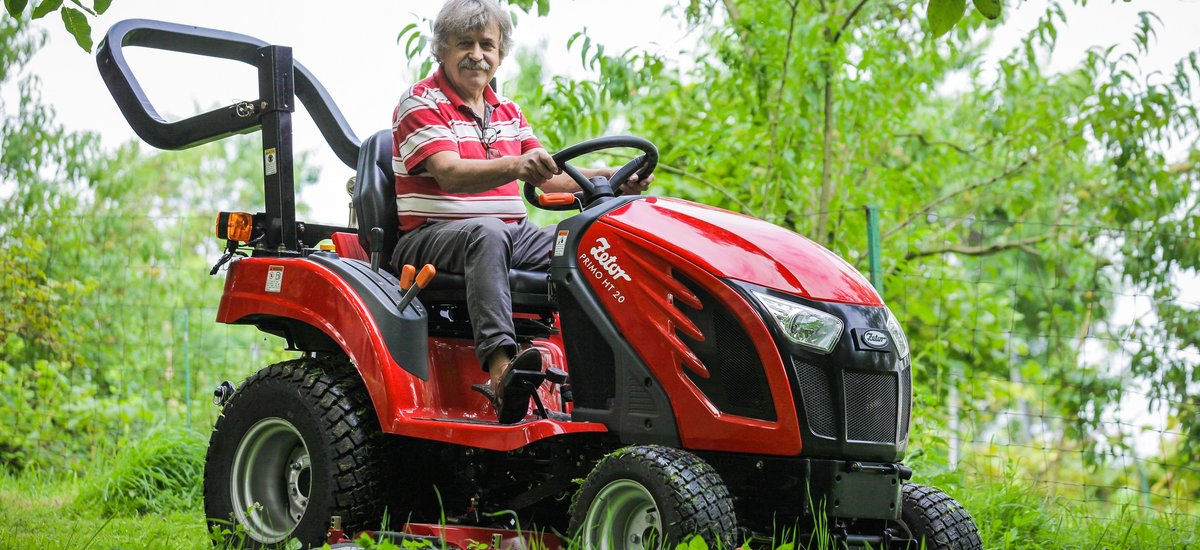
{"points": [[937, 521], [652, 497], [297, 444]]}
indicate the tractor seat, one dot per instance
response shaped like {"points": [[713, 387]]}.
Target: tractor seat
{"points": [[374, 203]]}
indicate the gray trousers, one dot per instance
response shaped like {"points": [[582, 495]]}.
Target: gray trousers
{"points": [[483, 250]]}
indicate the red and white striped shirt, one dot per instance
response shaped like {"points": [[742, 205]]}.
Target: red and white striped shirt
{"points": [[431, 118]]}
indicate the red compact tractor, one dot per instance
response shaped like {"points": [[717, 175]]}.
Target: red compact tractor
{"points": [[708, 374]]}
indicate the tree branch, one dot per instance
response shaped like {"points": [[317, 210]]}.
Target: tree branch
{"points": [[767, 195], [934, 143], [680, 172], [731, 8], [999, 177], [978, 250], [849, 18]]}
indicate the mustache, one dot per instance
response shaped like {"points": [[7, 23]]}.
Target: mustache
{"points": [[472, 65]]}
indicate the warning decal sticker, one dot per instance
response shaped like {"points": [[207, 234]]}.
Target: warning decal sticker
{"points": [[274, 278]]}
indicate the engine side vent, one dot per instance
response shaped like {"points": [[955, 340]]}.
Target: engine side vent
{"points": [[817, 394], [737, 383], [871, 406]]}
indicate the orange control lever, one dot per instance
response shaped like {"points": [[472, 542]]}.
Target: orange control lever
{"points": [[423, 279], [426, 275], [407, 273], [556, 199]]}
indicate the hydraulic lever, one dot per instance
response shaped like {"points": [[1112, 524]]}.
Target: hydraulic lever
{"points": [[422, 279]]}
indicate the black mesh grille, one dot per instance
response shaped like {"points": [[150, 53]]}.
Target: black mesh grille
{"points": [[737, 383], [818, 398], [906, 399], [871, 406]]}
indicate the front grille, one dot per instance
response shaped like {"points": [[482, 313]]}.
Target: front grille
{"points": [[817, 394], [871, 406]]}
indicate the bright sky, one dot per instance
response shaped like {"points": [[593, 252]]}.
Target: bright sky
{"points": [[354, 53]]}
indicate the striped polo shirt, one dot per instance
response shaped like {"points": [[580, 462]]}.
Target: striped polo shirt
{"points": [[431, 118]]}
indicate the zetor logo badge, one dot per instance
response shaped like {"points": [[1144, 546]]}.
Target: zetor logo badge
{"points": [[606, 261], [875, 339]]}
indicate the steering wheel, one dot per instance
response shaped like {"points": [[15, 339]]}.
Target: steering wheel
{"points": [[643, 166]]}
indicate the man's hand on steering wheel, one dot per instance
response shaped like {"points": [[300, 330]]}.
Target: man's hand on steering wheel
{"points": [[632, 186]]}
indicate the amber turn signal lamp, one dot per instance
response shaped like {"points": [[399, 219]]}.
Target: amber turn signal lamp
{"points": [[556, 199], [235, 226]]}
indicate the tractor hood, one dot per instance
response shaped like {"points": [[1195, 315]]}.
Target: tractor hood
{"points": [[739, 247]]}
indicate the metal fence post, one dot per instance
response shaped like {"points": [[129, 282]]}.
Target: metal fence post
{"points": [[873, 253]]}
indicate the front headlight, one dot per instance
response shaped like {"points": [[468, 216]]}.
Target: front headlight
{"points": [[898, 336], [803, 325]]}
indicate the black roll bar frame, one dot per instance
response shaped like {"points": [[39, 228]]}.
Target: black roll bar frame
{"points": [[280, 81]]}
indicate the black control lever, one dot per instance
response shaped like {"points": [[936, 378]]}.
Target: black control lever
{"points": [[376, 248]]}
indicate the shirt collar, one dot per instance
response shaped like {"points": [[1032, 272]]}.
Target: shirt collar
{"points": [[443, 82]]}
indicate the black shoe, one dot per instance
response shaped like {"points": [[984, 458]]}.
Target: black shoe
{"points": [[520, 381]]}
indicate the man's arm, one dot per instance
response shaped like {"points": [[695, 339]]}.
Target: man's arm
{"points": [[458, 175]]}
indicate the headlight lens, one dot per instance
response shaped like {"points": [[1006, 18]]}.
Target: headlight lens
{"points": [[803, 325], [898, 336]]}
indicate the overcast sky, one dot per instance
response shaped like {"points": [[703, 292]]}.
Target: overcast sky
{"points": [[354, 53]]}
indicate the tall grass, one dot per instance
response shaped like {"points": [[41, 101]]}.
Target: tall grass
{"points": [[161, 472]]}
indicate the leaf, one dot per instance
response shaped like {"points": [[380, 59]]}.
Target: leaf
{"points": [[77, 24], [989, 8], [543, 7], [15, 7], [83, 7], [46, 7], [102, 5], [943, 14]]}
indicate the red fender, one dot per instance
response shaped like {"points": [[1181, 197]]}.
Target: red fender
{"points": [[296, 288]]}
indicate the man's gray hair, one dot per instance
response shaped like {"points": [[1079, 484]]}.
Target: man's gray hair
{"points": [[462, 17]]}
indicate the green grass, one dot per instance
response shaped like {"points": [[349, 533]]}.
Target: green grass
{"points": [[42, 511]]}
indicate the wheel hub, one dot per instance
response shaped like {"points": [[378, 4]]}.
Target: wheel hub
{"points": [[270, 480], [623, 515]]}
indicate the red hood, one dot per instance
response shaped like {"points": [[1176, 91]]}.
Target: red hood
{"points": [[747, 249]]}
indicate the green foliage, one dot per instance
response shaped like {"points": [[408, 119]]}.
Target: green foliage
{"points": [[943, 14], [107, 281], [74, 19], [159, 472]]}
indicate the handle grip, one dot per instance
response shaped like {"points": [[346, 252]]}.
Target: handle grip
{"points": [[407, 274]]}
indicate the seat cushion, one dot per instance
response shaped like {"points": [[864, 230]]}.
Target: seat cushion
{"points": [[529, 289]]}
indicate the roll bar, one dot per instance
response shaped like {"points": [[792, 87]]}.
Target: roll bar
{"points": [[238, 118], [280, 81]]}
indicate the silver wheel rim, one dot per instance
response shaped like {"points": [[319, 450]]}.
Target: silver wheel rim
{"points": [[623, 515], [270, 481]]}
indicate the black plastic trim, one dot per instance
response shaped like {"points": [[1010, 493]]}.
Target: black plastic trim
{"points": [[639, 411], [405, 333]]}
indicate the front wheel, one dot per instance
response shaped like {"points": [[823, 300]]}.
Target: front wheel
{"points": [[937, 521], [297, 444], [652, 497]]}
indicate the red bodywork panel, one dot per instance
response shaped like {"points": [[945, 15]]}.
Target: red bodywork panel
{"points": [[636, 286], [628, 257], [739, 247], [405, 404]]}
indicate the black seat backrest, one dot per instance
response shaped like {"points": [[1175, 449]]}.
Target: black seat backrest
{"points": [[375, 193]]}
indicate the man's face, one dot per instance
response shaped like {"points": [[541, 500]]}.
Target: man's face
{"points": [[471, 60]]}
